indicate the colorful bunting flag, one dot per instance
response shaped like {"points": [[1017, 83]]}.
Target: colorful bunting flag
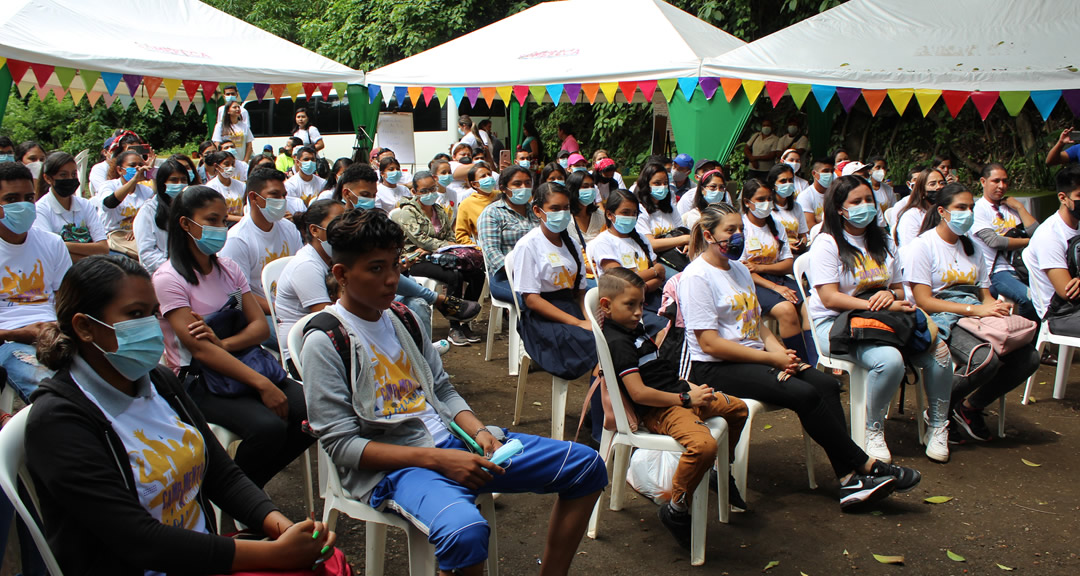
{"points": [[648, 88], [191, 88], [65, 76], [243, 89], [955, 100], [278, 90], [151, 83], [504, 93], [41, 73], [415, 92], [326, 88], [609, 89], [260, 91], [730, 85], [555, 91], [1045, 101], [342, 89], [401, 93], [900, 98], [472, 93], [847, 97], [59, 93], [111, 80], [42, 93], [1014, 100], [823, 95], [537, 92], [373, 92], [488, 92], [926, 97], [309, 90], [388, 95], [687, 86], [775, 90], [199, 105], [1072, 98], [873, 99], [627, 89], [156, 103], [76, 95], [208, 89], [171, 86], [294, 89], [572, 92], [590, 91], [799, 92], [185, 105], [752, 88], [441, 94], [89, 78], [667, 87], [92, 98], [429, 93], [132, 81], [126, 100], [17, 68]]}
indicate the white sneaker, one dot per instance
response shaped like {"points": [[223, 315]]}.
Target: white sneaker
{"points": [[937, 443], [876, 447], [441, 346]]}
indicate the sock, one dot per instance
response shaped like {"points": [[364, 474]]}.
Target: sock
{"points": [[811, 348], [796, 343], [678, 506]]}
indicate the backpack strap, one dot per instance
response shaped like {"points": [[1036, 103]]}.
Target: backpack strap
{"points": [[330, 325], [409, 320]]}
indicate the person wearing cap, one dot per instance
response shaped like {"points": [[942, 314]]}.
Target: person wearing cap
{"points": [[606, 178], [762, 150], [577, 163], [601, 154], [99, 173], [792, 157], [689, 199], [792, 139], [856, 168], [680, 175]]}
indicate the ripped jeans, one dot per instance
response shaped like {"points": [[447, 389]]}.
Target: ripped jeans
{"points": [[885, 371], [23, 369]]}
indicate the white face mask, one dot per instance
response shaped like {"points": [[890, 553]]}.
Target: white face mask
{"points": [[792, 130], [794, 166], [766, 130], [761, 209], [878, 175]]}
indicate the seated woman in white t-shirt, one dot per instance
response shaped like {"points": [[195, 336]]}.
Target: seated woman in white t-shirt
{"points": [[390, 192], [767, 255], [786, 210], [949, 280], [221, 174], [791, 158], [120, 199], [232, 127], [588, 217], [240, 167], [909, 219], [63, 212], [712, 188], [659, 216], [1053, 286], [152, 222], [308, 134], [549, 273]]}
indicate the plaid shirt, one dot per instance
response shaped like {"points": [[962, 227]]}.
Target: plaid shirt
{"points": [[499, 228]]}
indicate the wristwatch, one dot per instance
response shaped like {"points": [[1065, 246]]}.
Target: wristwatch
{"points": [[685, 399]]}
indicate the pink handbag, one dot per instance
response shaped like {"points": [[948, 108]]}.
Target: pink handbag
{"points": [[1003, 334]]}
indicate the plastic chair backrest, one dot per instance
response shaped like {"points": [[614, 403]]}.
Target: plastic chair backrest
{"points": [[890, 217], [800, 268], [271, 273], [592, 311], [508, 265], [295, 340], [12, 468]]}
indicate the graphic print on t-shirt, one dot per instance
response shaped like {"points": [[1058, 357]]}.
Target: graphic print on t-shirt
{"points": [[1003, 222], [174, 470], [869, 274], [271, 256], [396, 390], [20, 289], [560, 277], [950, 276], [761, 252], [747, 314]]}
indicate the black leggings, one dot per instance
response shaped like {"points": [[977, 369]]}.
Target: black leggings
{"points": [[812, 395], [269, 443], [454, 280], [1012, 370]]}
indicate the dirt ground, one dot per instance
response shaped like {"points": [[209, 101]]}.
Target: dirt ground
{"points": [[1002, 510]]}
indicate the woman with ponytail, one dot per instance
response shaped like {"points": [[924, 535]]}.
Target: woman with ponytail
{"points": [[733, 352], [151, 224], [949, 281], [63, 212]]}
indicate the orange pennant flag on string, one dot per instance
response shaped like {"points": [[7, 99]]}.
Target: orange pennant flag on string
{"points": [[151, 83], [415, 92], [873, 99], [590, 91], [730, 87], [278, 90], [489, 95]]}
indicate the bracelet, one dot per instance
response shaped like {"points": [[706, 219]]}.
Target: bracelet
{"points": [[481, 429]]}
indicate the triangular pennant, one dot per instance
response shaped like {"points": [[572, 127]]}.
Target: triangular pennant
{"points": [[18, 69], [109, 99], [309, 90], [191, 88], [415, 93], [504, 93], [325, 88], [42, 73], [208, 89], [799, 92], [775, 90], [730, 85], [472, 93], [752, 89], [260, 91], [1072, 98], [111, 80], [388, 95], [185, 105], [873, 99], [242, 89], [926, 98], [199, 105], [900, 98], [278, 90], [667, 87], [43, 93], [1014, 100], [823, 94], [373, 92], [488, 92], [572, 92], [92, 98], [342, 89], [609, 89], [648, 88], [142, 102], [441, 94], [65, 76], [627, 89], [294, 89], [89, 78], [686, 86], [400, 94], [171, 103], [132, 81], [521, 93], [76, 95], [59, 93], [2, 61], [429, 93], [156, 103], [126, 100], [538, 92], [847, 97], [171, 86], [590, 91], [555, 91], [25, 88], [151, 83], [955, 100], [1045, 101]]}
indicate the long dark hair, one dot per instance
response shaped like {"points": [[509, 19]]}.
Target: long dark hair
{"points": [[184, 206], [540, 196], [164, 203], [877, 244], [750, 187], [188, 164], [53, 163], [226, 120], [315, 214], [919, 197], [611, 205], [552, 167], [339, 164], [699, 197], [942, 199], [573, 186], [505, 176], [770, 182], [644, 192]]}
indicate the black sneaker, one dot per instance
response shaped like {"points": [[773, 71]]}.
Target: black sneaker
{"points": [[454, 308], [971, 421], [860, 489], [457, 337], [469, 335], [678, 523], [906, 478], [735, 500]]}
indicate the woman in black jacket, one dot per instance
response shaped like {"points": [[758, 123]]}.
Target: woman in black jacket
{"points": [[124, 464]]}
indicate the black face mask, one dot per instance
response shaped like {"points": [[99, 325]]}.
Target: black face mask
{"points": [[1075, 210], [65, 186]]}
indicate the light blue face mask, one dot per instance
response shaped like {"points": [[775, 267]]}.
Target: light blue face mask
{"points": [[429, 199], [487, 183], [563, 163], [129, 173], [560, 182], [587, 195], [190, 175], [19, 217], [229, 99], [714, 196], [308, 167], [659, 192], [785, 190], [7, 158], [364, 203], [445, 180], [578, 169], [275, 208], [139, 346], [825, 179], [960, 222], [212, 240], [557, 221], [524, 164], [172, 190], [393, 177], [625, 224], [862, 215], [520, 196], [236, 152]]}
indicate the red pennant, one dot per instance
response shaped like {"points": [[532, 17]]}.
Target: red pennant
{"points": [[309, 89], [873, 99], [628, 89], [325, 88], [151, 84], [954, 100], [42, 73], [648, 88], [191, 88], [775, 90], [521, 93], [18, 69], [208, 89], [429, 93], [984, 102]]}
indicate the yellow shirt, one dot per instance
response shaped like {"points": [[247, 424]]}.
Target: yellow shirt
{"points": [[468, 213]]}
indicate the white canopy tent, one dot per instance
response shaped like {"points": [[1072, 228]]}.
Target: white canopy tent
{"points": [[985, 45]]}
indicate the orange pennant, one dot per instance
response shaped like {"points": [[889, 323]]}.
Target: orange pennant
{"points": [[590, 91], [628, 89], [489, 95], [730, 87], [277, 90], [414, 94], [874, 98]]}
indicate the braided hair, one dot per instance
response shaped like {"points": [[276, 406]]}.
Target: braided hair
{"points": [[750, 187]]}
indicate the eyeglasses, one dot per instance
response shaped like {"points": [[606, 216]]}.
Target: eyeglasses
{"points": [[428, 190]]}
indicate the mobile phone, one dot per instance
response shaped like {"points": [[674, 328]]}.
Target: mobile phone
{"points": [[504, 157], [142, 149], [1075, 136]]}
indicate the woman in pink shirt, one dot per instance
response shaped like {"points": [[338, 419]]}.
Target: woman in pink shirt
{"points": [[566, 134]]}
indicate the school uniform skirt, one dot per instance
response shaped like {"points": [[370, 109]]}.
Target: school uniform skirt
{"points": [[559, 349]]}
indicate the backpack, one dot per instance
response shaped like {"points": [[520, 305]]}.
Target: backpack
{"points": [[1062, 315], [331, 326]]}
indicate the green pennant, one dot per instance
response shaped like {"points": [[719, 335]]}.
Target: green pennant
{"points": [[65, 75], [89, 78], [667, 87], [1014, 100], [538, 92], [441, 94], [798, 92], [342, 90]]}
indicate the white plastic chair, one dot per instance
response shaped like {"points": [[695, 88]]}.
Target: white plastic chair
{"points": [[7, 398], [12, 468], [890, 217], [559, 386], [742, 448], [623, 440], [271, 273], [421, 552], [1066, 344], [495, 325]]}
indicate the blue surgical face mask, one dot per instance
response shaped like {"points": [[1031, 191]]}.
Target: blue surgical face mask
{"points": [[275, 208], [825, 179], [236, 152], [190, 175], [520, 196], [625, 224], [19, 216], [960, 222], [229, 99], [524, 164], [587, 195], [7, 158], [172, 190], [139, 346], [785, 190], [129, 173], [862, 215], [557, 221], [308, 167], [445, 179], [563, 163], [487, 183], [560, 182], [714, 196], [659, 192], [578, 169], [429, 199], [212, 240], [364, 203], [393, 177]]}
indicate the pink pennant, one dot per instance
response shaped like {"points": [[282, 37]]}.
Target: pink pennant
{"points": [[185, 105], [648, 88], [41, 73], [109, 99], [521, 93], [775, 90], [984, 102], [429, 93]]}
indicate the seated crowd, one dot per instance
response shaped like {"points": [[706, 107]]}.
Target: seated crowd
{"points": [[135, 318]]}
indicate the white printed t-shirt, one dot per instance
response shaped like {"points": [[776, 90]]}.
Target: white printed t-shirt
{"points": [[907, 228], [657, 223], [30, 275], [1047, 251], [987, 217], [933, 262], [793, 219], [233, 193], [725, 301], [606, 247], [151, 241], [387, 198], [302, 285], [541, 267], [826, 269], [812, 201], [304, 189], [122, 217], [252, 249], [82, 219], [761, 246]]}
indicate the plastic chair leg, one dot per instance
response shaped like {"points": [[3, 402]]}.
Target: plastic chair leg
{"points": [[1001, 416], [487, 509], [308, 481], [491, 331], [1040, 345], [1065, 355], [421, 553], [7, 399], [519, 398], [857, 394], [742, 449], [559, 388], [723, 487], [618, 476], [514, 350], [330, 516], [375, 549], [699, 510], [605, 444]]}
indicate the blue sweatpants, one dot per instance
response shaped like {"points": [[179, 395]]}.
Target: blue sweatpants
{"points": [[447, 512]]}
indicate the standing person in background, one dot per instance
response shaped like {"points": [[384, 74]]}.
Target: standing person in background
{"points": [[793, 158], [483, 128], [232, 127], [469, 137], [64, 213], [793, 140], [232, 95], [285, 161], [306, 133], [566, 136], [99, 173], [151, 224], [531, 144], [761, 150], [305, 184]]}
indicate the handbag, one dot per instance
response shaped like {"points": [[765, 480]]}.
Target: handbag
{"points": [[970, 354], [1063, 316], [609, 411], [1003, 334], [226, 322], [461, 258], [673, 257]]}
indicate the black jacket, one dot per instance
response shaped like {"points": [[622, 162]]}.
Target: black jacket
{"points": [[93, 519]]}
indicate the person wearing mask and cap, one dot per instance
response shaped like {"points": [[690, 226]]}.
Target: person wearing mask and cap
{"points": [[681, 183], [792, 158], [577, 163], [762, 150], [606, 178], [856, 168], [812, 199], [99, 173], [285, 162], [601, 154], [305, 184], [689, 200], [232, 95], [793, 139]]}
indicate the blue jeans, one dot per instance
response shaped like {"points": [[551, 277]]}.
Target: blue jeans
{"points": [[418, 299], [23, 370], [1008, 285], [499, 286], [885, 371]]}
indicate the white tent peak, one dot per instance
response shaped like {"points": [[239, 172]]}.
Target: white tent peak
{"points": [[937, 44], [620, 41]]}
